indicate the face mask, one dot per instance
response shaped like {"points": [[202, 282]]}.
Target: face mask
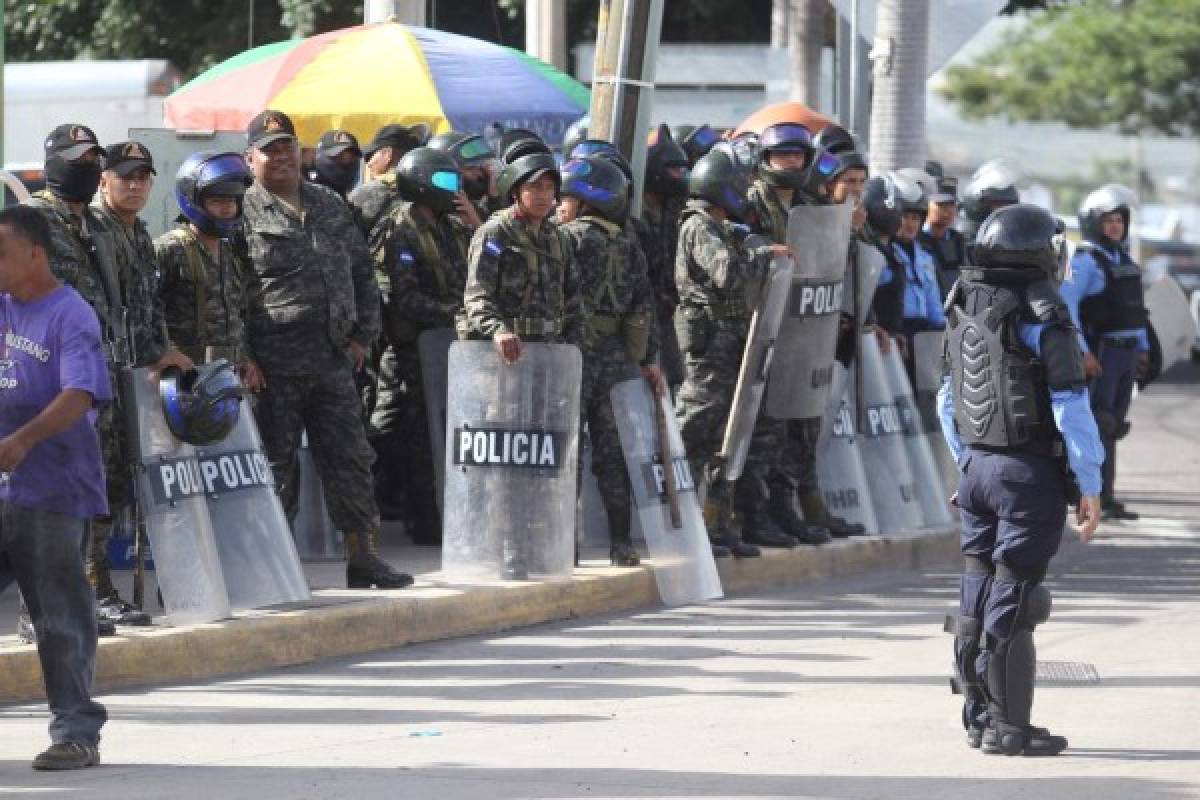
{"points": [[475, 187], [339, 177], [75, 181]]}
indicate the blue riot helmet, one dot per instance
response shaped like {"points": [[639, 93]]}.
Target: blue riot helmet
{"points": [[697, 141], [201, 406], [598, 183], [784, 137], [211, 174]]}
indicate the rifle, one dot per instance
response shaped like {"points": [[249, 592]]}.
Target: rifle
{"points": [[668, 463]]}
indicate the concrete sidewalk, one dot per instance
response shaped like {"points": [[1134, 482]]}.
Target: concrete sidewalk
{"points": [[342, 622]]}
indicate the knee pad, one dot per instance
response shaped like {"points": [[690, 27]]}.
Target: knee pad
{"points": [[1035, 607]]}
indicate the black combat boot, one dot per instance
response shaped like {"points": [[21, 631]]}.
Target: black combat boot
{"points": [[366, 570], [1000, 738], [816, 513], [783, 510], [622, 554], [758, 528]]}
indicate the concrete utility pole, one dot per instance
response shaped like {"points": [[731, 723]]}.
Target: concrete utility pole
{"points": [[410, 12], [546, 31], [900, 55], [780, 10], [623, 79], [806, 25]]}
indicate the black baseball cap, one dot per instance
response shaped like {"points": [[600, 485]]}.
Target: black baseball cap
{"points": [[269, 126], [336, 142], [397, 136], [126, 157], [71, 141]]}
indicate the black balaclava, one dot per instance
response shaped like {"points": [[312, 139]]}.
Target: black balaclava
{"points": [[74, 181]]}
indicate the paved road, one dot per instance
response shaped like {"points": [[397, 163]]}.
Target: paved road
{"points": [[836, 691]]}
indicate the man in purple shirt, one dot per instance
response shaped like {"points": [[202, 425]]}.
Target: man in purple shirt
{"points": [[52, 380]]}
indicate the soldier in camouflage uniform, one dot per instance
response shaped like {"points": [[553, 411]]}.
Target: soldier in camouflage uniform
{"points": [[662, 201], [202, 282], [712, 270], [620, 330], [500, 302], [124, 190], [313, 309], [421, 266], [378, 196]]}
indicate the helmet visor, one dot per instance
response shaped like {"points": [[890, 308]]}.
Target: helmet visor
{"points": [[447, 181], [786, 136], [225, 168], [703, 137], [592, 147], [826, 164], [475, 149]]}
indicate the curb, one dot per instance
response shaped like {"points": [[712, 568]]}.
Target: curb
{"points": [[350, 623]]}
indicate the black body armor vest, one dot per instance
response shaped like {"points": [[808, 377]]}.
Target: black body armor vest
{"points": [[1121, 306], [949, 254], [1001, 391]]}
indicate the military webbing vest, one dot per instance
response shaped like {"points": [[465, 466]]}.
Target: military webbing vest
{"points": [[190, 245], [1001, 398], [517, 233], [1121, 306]]}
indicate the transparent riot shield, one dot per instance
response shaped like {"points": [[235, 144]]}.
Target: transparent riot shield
{"points": [[757, 357], [931, 490], [317, 539], [840, 470], [681, 556], [171, 492], [512, 437], [927, 363], [254, 542], [804, 349], [884, 455], [433, 347]]}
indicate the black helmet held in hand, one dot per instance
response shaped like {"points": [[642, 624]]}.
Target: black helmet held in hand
{"points": [[721, 179], [430, 178], [201, 406], [599, 184], [1021, 237]]}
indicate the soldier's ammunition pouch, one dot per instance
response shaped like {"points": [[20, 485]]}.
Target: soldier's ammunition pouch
{"points": [[635, 331]]}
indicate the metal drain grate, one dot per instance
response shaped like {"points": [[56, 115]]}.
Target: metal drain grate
{"points": [[1067, 672]]}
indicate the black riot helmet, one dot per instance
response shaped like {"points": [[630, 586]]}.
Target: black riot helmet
{"points": [[599, 184], [834, 140], [1021, 238], [663, 154], [784, 137], [430, 178], [469, 149], [524, 168], [517, 142], [576, 134], [914, 198], [697, 141], [201, 406], [885, 208], [1107, 199], [599, 148], [721, 179], [993, 186]]}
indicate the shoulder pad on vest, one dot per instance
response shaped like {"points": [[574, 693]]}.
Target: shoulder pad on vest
{"points": [[1062, 359], [1045, 304]]}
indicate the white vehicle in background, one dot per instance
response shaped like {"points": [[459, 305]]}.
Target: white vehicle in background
{"points": [[110, 97]]}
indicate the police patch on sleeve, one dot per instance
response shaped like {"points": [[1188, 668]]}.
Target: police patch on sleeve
{"points": [[493, 247]]}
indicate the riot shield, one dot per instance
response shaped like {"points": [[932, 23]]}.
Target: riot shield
{"points": [[681, 557], [757, 356], [931, 491], [433, 346], [316, 537], [884, 455], [927, 363], [171, 492], [512, 437], [804, 350], [840, 472], [254, 542]]}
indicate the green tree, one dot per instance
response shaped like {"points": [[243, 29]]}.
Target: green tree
{"points": [[1099, 63]]}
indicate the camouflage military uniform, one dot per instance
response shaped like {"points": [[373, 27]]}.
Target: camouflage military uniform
{"points": [[203, 297], [712, 273], [499, 295], [310, 290], [617, 292], [374, 201], [421, 267], [658, 231]]}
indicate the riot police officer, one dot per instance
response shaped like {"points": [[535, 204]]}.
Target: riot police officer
{"points": [[1014, 411], [421, 267], [938, 236], [712, 271], [921, 308], [621, 336], [1104, 294]]}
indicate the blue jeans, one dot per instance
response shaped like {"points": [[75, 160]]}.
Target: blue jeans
{"points": [[40, 550]]}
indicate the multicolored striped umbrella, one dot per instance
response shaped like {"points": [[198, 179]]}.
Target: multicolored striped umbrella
{"points": [[362, 78]]}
